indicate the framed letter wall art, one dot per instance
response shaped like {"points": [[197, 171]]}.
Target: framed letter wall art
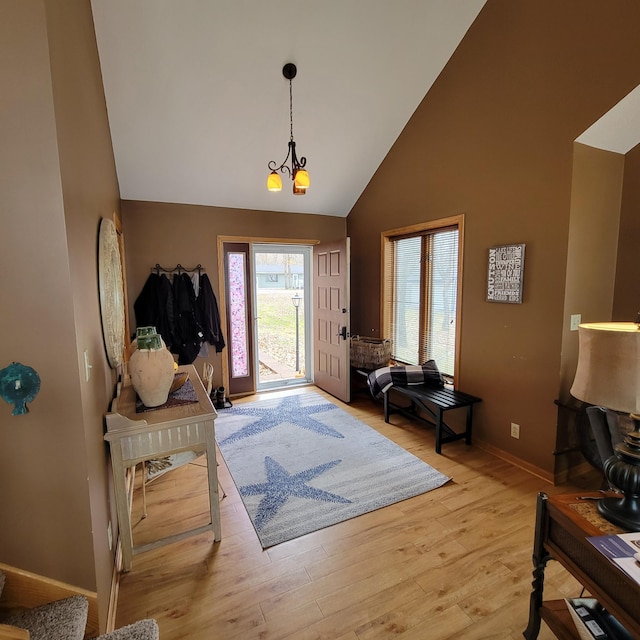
{"points": [[505, 273]]}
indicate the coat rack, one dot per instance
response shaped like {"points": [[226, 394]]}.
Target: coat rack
{"points": [[178, 269]]}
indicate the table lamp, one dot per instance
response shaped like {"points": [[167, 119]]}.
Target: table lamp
{"points": [[608, 375]]}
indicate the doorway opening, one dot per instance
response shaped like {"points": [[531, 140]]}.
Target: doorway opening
{"points": [[281, 277]]}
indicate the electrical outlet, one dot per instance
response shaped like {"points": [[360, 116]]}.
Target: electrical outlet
{"points": [[110, 536], [576, 319], [515, 430]]}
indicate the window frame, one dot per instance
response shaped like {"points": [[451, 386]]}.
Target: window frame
{"points": [[386, 275]]}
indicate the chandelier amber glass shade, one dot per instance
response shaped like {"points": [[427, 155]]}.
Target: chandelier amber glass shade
{"points": [[274, 182], [301, 179]]}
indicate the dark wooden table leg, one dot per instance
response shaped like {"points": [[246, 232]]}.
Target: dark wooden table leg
{"points": [[438, 430], [540, 559], [467, 438]]}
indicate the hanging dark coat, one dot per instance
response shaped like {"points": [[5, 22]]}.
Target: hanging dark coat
{"points": [[154, 307], [209, 314], [188, 332]]}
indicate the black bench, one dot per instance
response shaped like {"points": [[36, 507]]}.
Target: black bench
{"points": [[433, 402]]}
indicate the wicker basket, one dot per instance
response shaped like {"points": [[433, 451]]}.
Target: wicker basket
{"points": [[370, 353]]}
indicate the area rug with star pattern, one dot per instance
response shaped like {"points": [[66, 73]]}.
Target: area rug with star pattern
{"points": [[301, 463]]}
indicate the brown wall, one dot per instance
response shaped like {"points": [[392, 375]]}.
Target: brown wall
{"points": [[493, 139], [596, 192], [90, 192], [626, 303], [58, 181], [168, 234]]}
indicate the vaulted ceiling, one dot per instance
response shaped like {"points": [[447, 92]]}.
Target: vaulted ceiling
{"points": [[198, 104]]}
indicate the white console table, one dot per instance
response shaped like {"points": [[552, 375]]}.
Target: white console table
{"points": [[136, 437]]}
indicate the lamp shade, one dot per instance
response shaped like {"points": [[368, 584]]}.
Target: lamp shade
{"points": [[274, 182], [301, 179], [608, 372]]}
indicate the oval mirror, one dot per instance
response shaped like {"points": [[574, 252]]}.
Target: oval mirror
{"points": [[111, 292]]}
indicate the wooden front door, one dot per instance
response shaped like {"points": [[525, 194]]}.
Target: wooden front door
{"points": [[331, 318]]}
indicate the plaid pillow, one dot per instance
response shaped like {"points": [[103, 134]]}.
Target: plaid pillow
{"points": [[381, 380]]}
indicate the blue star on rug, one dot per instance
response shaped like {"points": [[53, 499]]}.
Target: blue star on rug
{"points": [[281, 485], [288, 410]]}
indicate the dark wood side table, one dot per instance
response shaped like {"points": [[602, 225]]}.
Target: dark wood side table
{"points": [[563, 524]]}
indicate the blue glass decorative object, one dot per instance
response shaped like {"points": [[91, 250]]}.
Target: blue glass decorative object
{"points": [[19, 384]]}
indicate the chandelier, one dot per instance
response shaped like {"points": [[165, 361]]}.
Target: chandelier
{"points": [[296, 171]]}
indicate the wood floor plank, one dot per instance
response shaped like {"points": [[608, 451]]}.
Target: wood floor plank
{"points": [[440, 626], [295, 622], [355, 617], [451, 563]]}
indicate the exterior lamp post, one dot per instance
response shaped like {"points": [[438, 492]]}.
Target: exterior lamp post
{"points": [[296, 303]]}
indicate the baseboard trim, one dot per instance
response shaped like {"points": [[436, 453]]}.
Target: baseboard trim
{"points": [[516, 462], [26, 589]]}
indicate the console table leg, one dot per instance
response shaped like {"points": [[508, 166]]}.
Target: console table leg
{"points": [[540, 559], [122, 506]]}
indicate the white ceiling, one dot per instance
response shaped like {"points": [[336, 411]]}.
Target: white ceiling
{"points": [[619, 129], [198, 105]]}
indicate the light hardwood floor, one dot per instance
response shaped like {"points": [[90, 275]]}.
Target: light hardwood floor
{"points": [[452, 563]]}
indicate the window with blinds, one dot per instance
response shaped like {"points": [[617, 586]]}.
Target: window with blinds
{"points": [[421, 278]]}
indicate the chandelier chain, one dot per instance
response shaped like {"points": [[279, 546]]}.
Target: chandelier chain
{"points": [[291, 109]]}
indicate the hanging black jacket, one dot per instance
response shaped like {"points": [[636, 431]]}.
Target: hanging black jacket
{"points": [[187, 329], [209, 314], [154, 307]]}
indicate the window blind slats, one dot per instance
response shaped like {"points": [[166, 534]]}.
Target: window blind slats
{"points": [[406, 299], [443, 280], [421, 280]]}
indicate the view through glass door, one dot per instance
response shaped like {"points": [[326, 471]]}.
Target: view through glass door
{"points": [[281, 284]]}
